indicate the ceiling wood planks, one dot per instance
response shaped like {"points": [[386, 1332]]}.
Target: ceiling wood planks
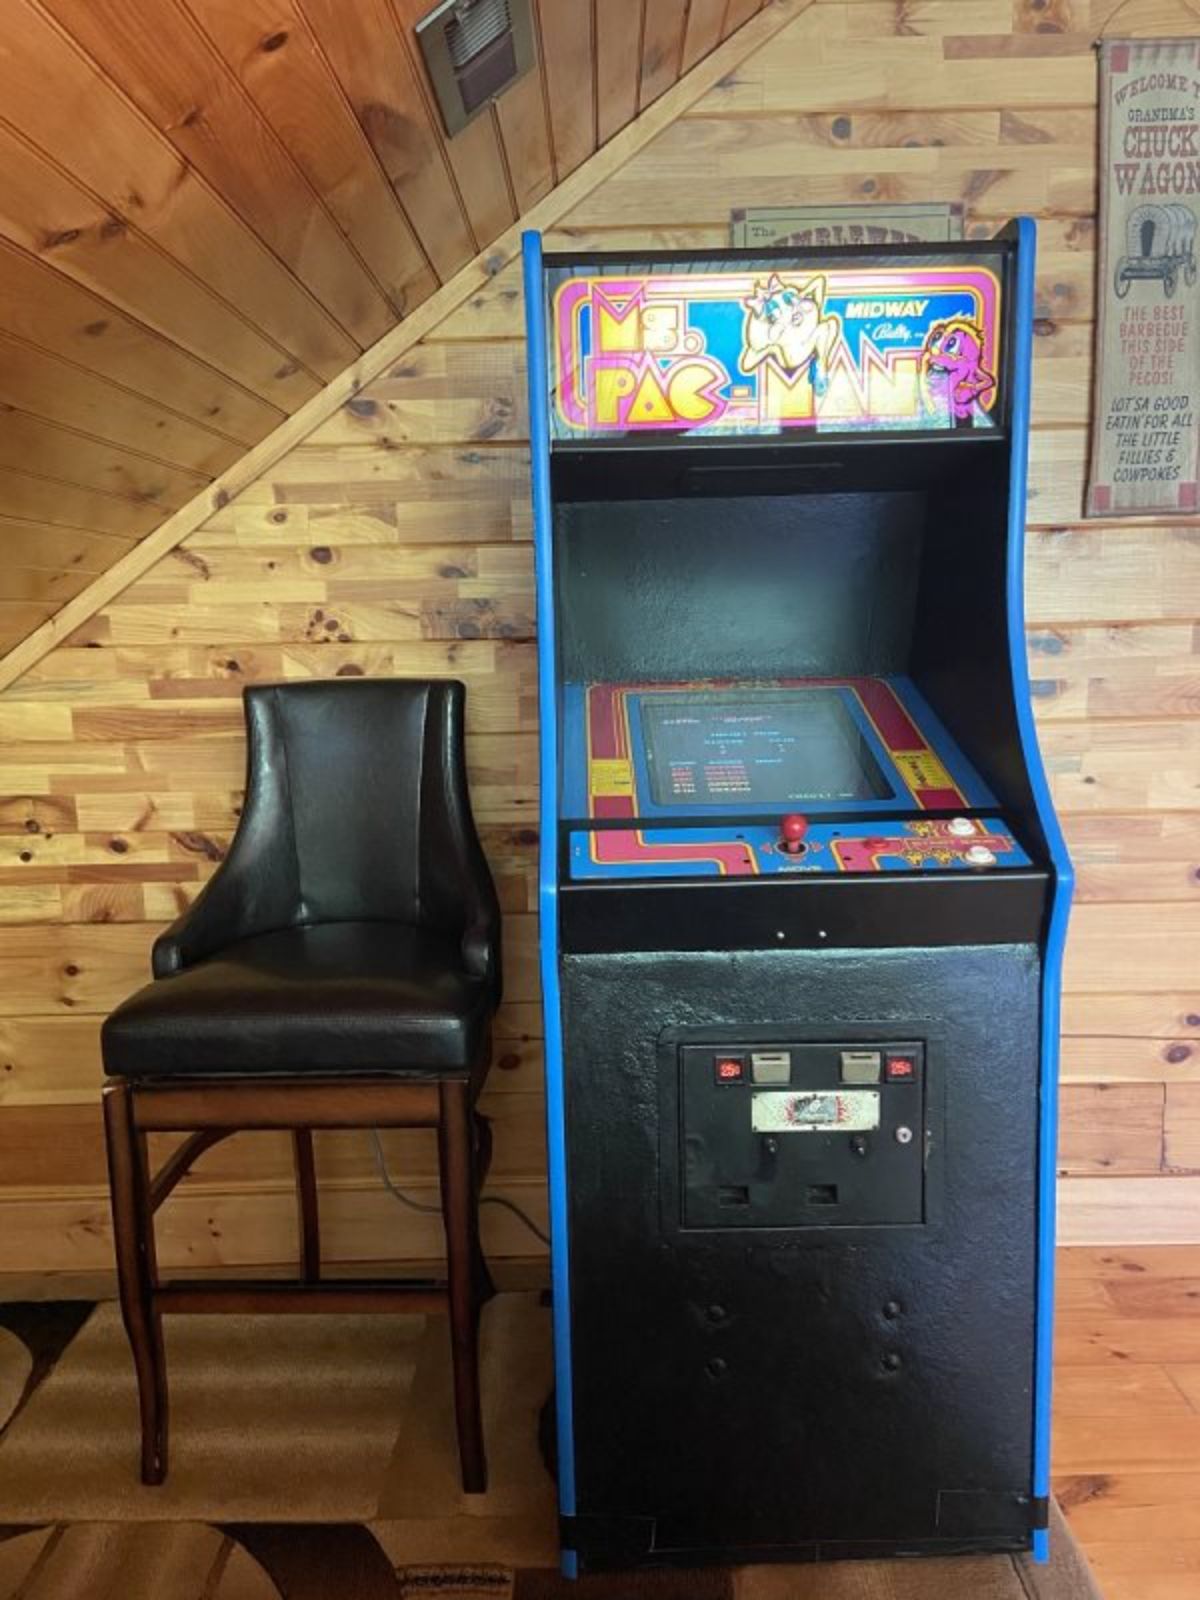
{"points": [[663, 37], [272, 52], [705, 20], [366, 48], [46, 309], [618, 63], [569, 70], [209, 209], [33, 380]]}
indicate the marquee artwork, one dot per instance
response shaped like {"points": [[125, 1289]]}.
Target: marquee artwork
{"points": [[776, 346]]}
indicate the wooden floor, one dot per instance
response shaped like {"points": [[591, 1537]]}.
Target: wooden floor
{"points": [[1127, 1407], [1127, 1416]]}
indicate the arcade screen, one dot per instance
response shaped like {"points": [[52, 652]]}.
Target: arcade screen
{"points": [[765, 747]]}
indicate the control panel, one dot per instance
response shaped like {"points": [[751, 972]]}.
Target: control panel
{"points": [[803, 1134], [795, 845]]}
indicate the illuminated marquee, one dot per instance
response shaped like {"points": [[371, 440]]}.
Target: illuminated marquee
{"points": [[754, 351]]}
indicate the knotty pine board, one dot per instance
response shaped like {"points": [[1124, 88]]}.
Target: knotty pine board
{"points": [[265, 190], [404, 521]]}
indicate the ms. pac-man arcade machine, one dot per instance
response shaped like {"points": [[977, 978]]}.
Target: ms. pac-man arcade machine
{"points": [[803, 901]]}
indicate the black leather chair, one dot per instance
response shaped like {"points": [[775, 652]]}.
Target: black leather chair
{"points": [[341, 969]]}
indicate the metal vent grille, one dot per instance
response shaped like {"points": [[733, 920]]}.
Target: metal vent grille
{"points": [[474, 49], [473, 25]]}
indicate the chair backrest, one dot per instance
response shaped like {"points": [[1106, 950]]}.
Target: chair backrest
{"points": [[367, 778]]}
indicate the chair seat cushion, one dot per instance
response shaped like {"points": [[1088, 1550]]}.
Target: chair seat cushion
{"points": [[338, 997]]}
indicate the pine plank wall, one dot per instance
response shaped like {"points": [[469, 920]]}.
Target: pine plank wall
{"points": [[263, 192], [395, 540]]}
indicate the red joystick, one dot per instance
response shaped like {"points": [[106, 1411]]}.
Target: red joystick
{"points": [[791, 834]]}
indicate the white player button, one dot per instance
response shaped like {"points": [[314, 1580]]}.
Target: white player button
{"points": [[979, 856], [961, 827]]}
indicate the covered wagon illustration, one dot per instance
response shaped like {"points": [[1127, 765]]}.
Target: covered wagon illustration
{"points": [[1160, 242]]}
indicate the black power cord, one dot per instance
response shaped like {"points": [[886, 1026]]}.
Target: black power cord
{"points": [[419, 1205]]}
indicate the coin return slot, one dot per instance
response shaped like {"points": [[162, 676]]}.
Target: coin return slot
{"points": [[733, 1194], [822, 1194], [771, 1066]]}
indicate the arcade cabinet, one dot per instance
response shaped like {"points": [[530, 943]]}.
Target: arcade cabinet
{"points": [[803, 902]]}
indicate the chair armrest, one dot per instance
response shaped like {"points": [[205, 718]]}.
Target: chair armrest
{"points": [[457, 889], [225, 911], [256, 888], [481, 941]]}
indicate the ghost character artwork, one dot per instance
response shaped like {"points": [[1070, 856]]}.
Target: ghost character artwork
{"points": [[954, 380], [786, 324]]}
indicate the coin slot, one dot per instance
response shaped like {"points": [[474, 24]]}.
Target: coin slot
{"points": [[822, 1194]]}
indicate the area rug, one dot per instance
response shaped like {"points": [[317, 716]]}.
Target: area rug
{"points": [[312, 1458]]}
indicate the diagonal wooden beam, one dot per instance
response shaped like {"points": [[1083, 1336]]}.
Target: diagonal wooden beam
{"points": [[705, 75]]}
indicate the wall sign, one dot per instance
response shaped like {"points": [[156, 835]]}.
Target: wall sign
{"points": [[774, 346], [1145, 454], [868, 222]]}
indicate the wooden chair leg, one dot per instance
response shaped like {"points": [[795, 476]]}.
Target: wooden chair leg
{"points": [[137, 1272], [306, 1197], [485, 1287], [460, 1213]]}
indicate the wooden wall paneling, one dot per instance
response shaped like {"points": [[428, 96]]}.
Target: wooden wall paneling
{"points": [[1136, 670], [34, 381], [1135, 573], [1111, 1128], [1125, 764], [618, 63], [662, 48], [569, 74], [1155, 1210], [438, 393], [365, 49], [961, 19], [40, 306], [44, 1060], [1134, 18], [403, 519], [823, 64], [1182, 1127], [1135, 946], [202, 1230], [501, 675], [705, 167], [239, 476], [438, 610], [1137, 855], [475, 153], [148, 183], [47, 213], [270, 49], [1124, 1015], [1092, 1058]]}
